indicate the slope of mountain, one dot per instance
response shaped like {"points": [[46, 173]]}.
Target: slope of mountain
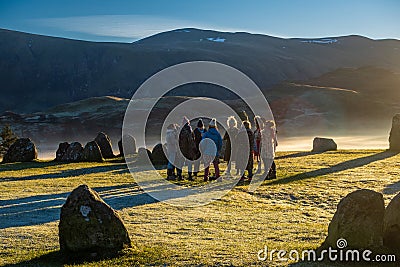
{"points": [[345, 100], [335, 103], [39, 72]]}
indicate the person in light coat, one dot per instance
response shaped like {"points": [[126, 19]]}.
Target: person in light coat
{"points": [[244, 155], [198, 136], [171, 138], [229, 138], [268, 147]]}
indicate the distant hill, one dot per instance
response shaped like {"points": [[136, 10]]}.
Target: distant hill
{"points": [[342, 102], [39, 72]]}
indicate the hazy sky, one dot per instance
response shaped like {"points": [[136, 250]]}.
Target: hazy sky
{"points": [[127, 21]]}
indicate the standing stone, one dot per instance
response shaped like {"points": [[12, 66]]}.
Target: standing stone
{"points": [[394, 137], [61, 151], [74, 153], [104, 143], [22, 150], [158, 156], [143, 156], [92, 152], [391, 224], [359, 220], [323, 144], [90, 227], [130, 143]]}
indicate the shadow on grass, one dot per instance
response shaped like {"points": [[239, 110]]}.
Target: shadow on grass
{"points": [[122, 168], [393, 188], [298, 155], [54, 258], [46, 208], [17, 166], [137, 256], [350, 164]]}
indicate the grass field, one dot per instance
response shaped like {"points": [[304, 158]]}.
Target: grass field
{"points": [[292, 212]]}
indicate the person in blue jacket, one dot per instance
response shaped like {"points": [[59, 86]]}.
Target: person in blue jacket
{"points": [[211, 146]]}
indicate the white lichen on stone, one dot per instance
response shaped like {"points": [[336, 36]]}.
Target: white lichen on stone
{"points": [[85, 210]]}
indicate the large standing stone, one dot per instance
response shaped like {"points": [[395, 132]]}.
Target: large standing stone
{"points": [[359, 220], [129, 142], [391, 224], [74, 153], [61, 151], [22, 150], [104, 143], [323, 144], [394, 137], [92, 152], [143, 156], [90, 227], [158, 156]]}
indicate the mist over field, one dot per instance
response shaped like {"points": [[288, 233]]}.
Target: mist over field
{"points": [[300, 143]]}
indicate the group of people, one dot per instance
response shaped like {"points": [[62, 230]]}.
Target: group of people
{"points": [[186, 146]]}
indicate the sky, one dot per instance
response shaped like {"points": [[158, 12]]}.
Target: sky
{"points": [[127, 21]]}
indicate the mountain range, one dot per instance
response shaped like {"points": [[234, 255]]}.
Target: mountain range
{"points": [[59, 89], [39, 72]]}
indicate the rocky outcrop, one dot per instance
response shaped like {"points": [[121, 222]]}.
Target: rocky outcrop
{"points": [[143, 156], [394, 137], [104, 143], [74, 153], [323, 144], [391, 224], [158, 156], [22, 150], [129, 142], [358, 220], [92, 152], [61, 151], [89, 227]]}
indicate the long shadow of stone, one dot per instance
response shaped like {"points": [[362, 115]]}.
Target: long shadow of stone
{"points": [[46, 208], [68, 173], [350, 164], [393, 188], [28, 165], [298, 155], [56, 259]]}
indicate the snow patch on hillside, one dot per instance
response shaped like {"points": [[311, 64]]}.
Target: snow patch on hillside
{"points": [[218, 39], [320, 41]]}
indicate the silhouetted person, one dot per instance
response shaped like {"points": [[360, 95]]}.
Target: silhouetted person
{"points": [[230, 133], [198, 136], [268, 146], [245, 143], [171, 138], [188, 148]]}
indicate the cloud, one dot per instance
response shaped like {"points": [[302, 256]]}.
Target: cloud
{"points": [[120, 26]]}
